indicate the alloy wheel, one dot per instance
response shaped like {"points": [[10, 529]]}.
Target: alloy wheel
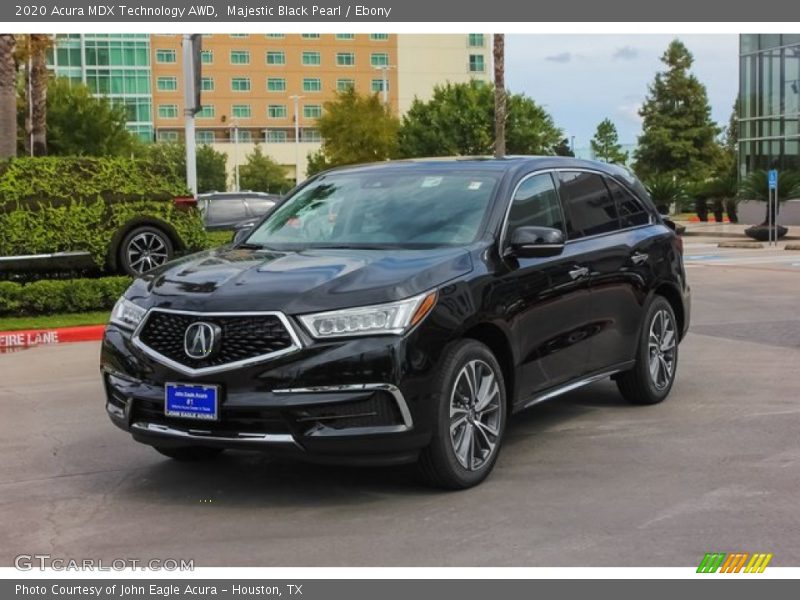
{"points": [[475, 415], [661, 349], [146, 251]]}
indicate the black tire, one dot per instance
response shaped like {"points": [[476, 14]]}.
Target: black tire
{"points": [[638, 386], [144, 248], [190, 453], [439, 463]]}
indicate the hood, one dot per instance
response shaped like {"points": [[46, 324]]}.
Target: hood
{"points": [[239, 279]]}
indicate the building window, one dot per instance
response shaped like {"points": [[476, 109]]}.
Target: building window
{"points": [[167, 84], [309, 36], [207, 57], [379, 59], [204, 136], [277, 136], [345, 59], [276, 57], [345, 36], [311, 135], [312, 111], [240, 57], [243, 135], [164, 56], [240, 36], [169, 137], [475, 40], [312, 84], [275, 36], [378, 37], [343, 85], [377, 85], [207, 84], [276, 84], [240, 84], [167, 111], [277, 111], [241, 111], [476, 63], [207, 112], [311, 59]]}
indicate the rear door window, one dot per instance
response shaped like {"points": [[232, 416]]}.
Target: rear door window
{"points": [[589, 207]]}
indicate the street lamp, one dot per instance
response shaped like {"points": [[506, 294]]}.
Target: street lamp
{"points": [[385, 80], [235, 125], [296, 99]]}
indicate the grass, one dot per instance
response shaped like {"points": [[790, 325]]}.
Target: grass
{"points": [[50, 321]]}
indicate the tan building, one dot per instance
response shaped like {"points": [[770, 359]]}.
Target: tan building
{"points": [[254, 83]]}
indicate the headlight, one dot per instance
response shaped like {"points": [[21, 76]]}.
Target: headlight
{"points": [[379, 319], [126, 314]]}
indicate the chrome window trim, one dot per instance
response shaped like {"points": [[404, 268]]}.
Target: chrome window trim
{"points": [[157, 356], [551, 170], [393, 390]]}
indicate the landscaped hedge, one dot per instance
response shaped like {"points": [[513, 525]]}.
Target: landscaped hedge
{"points": [[56, 204], [60, 296]]}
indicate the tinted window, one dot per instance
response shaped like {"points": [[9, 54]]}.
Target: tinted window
{"points": [[536, 203], [631, 211], [589, 206]]}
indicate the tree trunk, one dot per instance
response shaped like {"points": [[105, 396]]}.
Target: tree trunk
{"points": [[38, 99], [8, 97], [499, 95]]}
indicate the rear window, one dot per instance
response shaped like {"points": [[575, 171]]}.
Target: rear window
{"points": [[631, 210]]}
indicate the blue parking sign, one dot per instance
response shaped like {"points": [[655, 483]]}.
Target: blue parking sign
{"points": [[773, 179]]}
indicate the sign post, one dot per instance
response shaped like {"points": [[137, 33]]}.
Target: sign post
{"points": [[772, 207]]}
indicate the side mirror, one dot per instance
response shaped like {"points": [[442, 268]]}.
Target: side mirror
{"points": [[671, 224], [242, 231], [533, 241]]}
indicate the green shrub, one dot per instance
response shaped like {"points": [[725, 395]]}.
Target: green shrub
{"points": [[60, 295]]}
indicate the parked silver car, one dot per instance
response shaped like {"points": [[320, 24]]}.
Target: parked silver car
{"points": [[225, 210]]}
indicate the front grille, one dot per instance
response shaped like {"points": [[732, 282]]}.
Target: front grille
{"points": [[242, 337], [231, 420], [378, 410]]}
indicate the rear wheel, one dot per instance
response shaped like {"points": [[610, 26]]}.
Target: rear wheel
{"points": [[471, 418], [189, 453], [143, 249], [651, 379]]}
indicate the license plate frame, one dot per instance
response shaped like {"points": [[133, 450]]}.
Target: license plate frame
{"points": [[192, 401]]}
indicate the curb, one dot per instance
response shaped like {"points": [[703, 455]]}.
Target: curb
{"points": [[28, 338]]}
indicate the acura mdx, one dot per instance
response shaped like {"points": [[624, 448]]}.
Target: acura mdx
{"points": [[402, 311]]}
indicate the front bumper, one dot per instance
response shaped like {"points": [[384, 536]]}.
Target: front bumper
{"points": [[354, 401]]}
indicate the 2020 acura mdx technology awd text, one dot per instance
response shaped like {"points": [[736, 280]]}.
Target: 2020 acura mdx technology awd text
{"points": [[401, 312]]}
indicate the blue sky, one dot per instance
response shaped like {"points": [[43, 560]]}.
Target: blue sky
{"points": [[583, 78]]}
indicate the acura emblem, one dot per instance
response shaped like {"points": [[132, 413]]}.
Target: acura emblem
{"points": [[201, 340]]}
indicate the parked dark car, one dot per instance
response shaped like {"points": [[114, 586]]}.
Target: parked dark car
{"points": [[401, 312], [225, 210]]}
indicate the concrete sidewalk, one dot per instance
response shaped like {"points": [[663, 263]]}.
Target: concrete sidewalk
{"points": [[726, 230]]}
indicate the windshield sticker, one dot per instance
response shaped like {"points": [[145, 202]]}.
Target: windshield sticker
{"points": [[431, 182], [474, 185]]}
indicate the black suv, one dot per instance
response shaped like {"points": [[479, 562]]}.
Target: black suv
{"points": [[400, 312]]}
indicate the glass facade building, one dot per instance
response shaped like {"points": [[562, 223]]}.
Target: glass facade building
{"points": [[116, 66], [769, 102]]}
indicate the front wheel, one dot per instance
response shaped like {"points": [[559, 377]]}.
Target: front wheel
{"points": [[651, 379], [471, 418], [143, 249]]}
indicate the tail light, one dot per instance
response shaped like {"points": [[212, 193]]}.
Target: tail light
{"points": [[185, 202]]}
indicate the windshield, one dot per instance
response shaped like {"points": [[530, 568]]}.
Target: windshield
{"points": [[386, 209]]}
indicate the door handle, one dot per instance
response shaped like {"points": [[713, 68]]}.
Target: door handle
{"points": [[579, 273], [639, 258]]}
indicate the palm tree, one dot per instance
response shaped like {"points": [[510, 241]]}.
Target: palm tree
{"points": [[499, 95], [32, 51], [756, 187], [664, 189], [8, 97]]}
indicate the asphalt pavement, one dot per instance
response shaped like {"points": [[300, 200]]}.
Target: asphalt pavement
{"points": [[584, 480]]}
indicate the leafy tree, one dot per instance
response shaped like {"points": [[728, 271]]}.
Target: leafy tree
{"points": [[562, 148], [261, 173], [678, 136], [356, 129], [459, 121], [664, 189], [211, 164], [605, 144], [79, 124]]}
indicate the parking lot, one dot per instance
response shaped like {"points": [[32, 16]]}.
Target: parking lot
{"points": [[584, 480]]}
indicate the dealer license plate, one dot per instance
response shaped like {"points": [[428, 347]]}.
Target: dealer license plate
{"points": [[192, 401]]}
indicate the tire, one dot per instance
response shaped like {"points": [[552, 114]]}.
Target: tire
{"points": [[640, 385], [190, 453], [440, 463], [143, 249]]}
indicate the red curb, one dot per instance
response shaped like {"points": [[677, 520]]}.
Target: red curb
{"points": [[27, 338]]}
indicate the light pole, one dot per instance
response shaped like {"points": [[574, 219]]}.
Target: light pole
{"points": [[296, 100], [384, 69], [235, 124]]}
